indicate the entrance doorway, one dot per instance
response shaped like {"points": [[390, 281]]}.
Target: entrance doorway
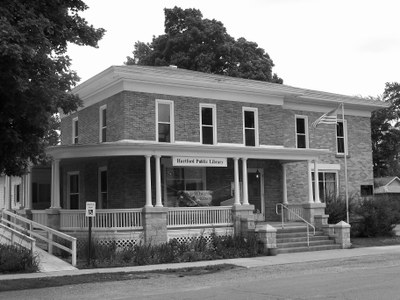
{"points": [[255, 180]]}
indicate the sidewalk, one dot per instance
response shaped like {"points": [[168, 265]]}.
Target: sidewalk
{"points": [[252, 262]]}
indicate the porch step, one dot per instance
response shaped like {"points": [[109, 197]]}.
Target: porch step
{"points": [[294, 239]]}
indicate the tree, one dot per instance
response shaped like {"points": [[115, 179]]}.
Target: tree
{"points": [[35, 75], [193, 43], [385, 133]]}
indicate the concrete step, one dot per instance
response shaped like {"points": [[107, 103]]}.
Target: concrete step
{"points": [[301, 239], [311, 248], [286, 235], [304, 244]]}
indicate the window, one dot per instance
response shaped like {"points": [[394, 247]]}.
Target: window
{"points": [[341, 137], [165, 121], [250, 126], [301, 132], [103, 188], [75, 130], [17, 193], [208, 132], [73, 190], [328, 185], [103, 124]]}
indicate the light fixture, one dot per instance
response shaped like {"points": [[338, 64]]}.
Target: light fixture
{"points": [[258, 174]]}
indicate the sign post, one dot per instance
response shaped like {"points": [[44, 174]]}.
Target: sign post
{"points": [[90, 213]]}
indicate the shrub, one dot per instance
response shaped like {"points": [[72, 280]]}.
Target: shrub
{"points": [[376, 217], [16, 259], [336, 209]]}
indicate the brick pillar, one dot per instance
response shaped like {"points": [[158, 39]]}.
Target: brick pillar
{"points": [[155, 225], [53, 218], [313, 209], [342, 234], [245, 213]]}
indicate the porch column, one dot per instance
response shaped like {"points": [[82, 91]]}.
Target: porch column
{"points": [[55, 183], [316, 183], [7, 192], [244, 179], [148, 182], [310, 189], [236, 178], [158, 181], [284, 179], [27, 191]]}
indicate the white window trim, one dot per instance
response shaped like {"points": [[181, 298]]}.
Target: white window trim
{"points": [[74, 120], [103, 107], [329, 171], [305, 118], [101, 169], [69, 186], [214, 120], [255, 110], [346, 146], [171, 118]]}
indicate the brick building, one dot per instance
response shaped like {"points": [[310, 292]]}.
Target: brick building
{"points": [[145, 134]]}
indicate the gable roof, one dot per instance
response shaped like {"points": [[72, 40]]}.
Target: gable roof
{"points": [[384, 181]]}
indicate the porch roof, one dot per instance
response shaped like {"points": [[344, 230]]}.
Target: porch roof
{"points": [[133, 148]]}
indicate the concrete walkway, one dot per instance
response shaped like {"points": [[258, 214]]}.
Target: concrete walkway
{"points": [[241, 262]]}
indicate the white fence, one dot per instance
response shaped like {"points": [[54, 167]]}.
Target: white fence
{"points": [[113, 219], [199, 216]]}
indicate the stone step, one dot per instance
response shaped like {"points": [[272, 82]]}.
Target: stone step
{"points": [[301, 239], [282, 235], [304, 244], [305, 249]]}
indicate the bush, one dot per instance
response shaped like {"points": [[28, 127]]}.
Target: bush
{"points": [[376, 217], [201, 248], [16, 259], [336, 209]]}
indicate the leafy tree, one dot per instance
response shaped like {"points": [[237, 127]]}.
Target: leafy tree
{"points": [[193, 43], [35, 75], [385, 132]]}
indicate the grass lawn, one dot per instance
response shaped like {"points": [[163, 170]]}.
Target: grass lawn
{"points": [[375, 241]]}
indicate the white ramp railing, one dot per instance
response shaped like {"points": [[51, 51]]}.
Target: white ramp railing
{"points": [[14, 237], [53, 237]]}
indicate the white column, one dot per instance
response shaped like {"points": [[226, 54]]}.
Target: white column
{"points": [[244, 179], [284, 181], [148, 182], [7, 192], [28, 186], [236, 178], [55, 184], [310, 189], [158, 181], [316, 183]]}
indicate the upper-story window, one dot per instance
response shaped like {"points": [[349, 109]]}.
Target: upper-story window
{"points": [[341, 137], [75, 130], [103, 124], [208, 127], [301, 132], [250, 126], [165, 121]]}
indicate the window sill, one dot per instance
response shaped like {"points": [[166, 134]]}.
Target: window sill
{"points": [[341, 155]]}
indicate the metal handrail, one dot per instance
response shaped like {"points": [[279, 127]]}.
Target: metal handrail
{"points": [[297, 215]]}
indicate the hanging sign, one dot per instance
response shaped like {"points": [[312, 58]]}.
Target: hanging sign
{"points": [[186, 161]]}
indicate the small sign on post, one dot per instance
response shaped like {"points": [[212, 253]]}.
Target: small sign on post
{"points": [[90, 213]]}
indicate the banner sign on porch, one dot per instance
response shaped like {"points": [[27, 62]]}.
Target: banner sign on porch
{"points": [[90, 209], [183, 161]]}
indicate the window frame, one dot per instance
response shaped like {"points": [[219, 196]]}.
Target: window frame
{"points": [[75, 130], [214, 122], [336, 172], [102, 126], [100, 192], [256, 128], [69, 174], [171, 120], [345, 139], [305, 119]]}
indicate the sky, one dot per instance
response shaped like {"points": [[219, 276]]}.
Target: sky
{"points": [[349, 47]]}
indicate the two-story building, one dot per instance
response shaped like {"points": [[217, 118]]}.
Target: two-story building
{"points": [[144, 135]]}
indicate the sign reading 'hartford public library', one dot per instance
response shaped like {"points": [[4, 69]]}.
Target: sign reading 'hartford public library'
{"points": [[183, 161]]}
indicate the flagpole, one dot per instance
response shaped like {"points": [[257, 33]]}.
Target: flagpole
{"points": [[345, 166]]}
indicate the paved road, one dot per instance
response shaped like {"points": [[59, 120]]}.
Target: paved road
{"points": [[367, 277]]}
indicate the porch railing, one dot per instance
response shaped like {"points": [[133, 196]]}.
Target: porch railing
{"points": [[113, 219], [199, 216], [295, 212], [39, 216]]}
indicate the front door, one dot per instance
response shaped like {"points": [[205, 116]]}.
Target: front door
{"points": [[255, 181]]}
